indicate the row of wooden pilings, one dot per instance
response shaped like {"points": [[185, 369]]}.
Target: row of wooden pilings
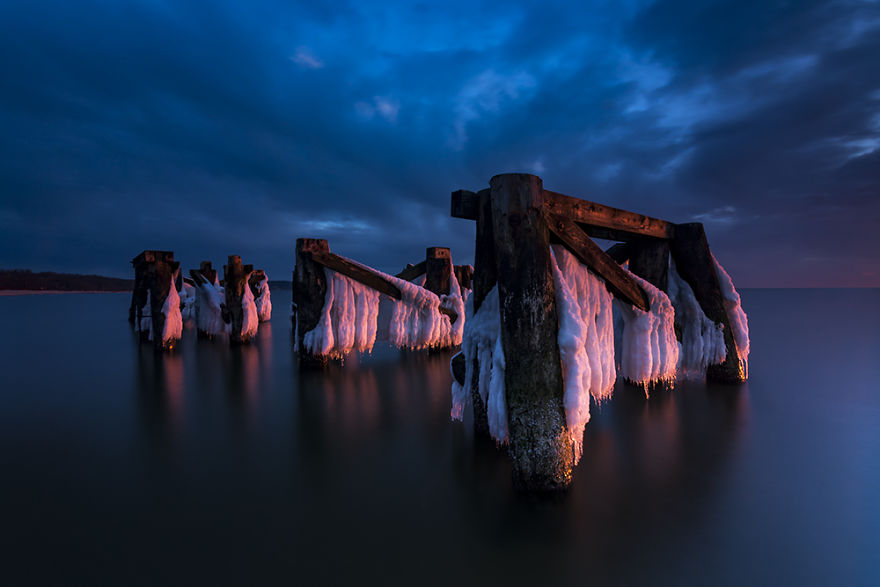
{"points": [[156, 272]]}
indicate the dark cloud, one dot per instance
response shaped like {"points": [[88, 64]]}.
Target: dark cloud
{"points": [[217, 128]]}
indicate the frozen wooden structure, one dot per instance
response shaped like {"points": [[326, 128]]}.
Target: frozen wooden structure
{"points": [[155, 272], [516, 222], [235, 278], [438, 269], [310, 284]]}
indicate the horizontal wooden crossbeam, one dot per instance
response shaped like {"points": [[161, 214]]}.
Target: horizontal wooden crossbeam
{"points": [[357, 272], [619, 282], [365, 276], [412, 272], [598, 220]]}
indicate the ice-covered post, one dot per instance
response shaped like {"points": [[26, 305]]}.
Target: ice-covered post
{"points": [[309, 291], [155, 273], [438, 270], [695, 264], [208, 271], [540, 445], [235, 276]]}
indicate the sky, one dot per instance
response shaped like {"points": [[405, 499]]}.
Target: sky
{"points": [[216, 128]]}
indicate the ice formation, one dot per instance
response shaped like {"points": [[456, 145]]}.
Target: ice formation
{"points": [[739, 322], [702, 340], [249, 320], [348, 318], [586, 340], [264, 300], [209, 316], [355, 316], [481, 341], [173, 328], [649, 350], [188, 303]]}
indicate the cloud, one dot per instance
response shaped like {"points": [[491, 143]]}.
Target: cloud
{"points": [[304, 58]]}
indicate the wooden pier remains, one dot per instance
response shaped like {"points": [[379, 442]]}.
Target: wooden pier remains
{"points": [[516, 221], [235, 276], [310, 284], [154, 272]]}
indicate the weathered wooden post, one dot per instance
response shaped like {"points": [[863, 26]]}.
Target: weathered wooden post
{"points": [[206, 269], [694, 263], [309, 291], [154, 272], [438, 270], [236, 275], [540, 445]]}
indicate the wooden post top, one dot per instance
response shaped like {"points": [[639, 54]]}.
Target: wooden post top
{"points": [[438, 253], [314, 245], [151, 256]]}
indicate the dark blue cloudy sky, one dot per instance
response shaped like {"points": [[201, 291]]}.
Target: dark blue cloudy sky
{"points": [[224, 127]]}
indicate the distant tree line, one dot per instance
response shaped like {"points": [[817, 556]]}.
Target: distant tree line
{"points": [[28, 280]]}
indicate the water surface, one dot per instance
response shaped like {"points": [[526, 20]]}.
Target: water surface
{"points": [[230, 465]]}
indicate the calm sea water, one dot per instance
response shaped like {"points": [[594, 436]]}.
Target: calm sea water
{"points": [[218, 465]]}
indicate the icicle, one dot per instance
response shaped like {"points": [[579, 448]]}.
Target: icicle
{"points": [[209, 316], [145, 324], [188, 312], [250, 320], [586, 340], [453, 301], [481, 341], [173, 328], [348, 318], [649, 348], [739, 322], [263, 300], [702, 340]]}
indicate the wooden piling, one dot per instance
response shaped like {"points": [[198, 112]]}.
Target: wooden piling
{"points": [[154, 272], [236, 277], [438, 270], [485, 278], [540, 445], [649, 259], [309, 291], [694, 263]]}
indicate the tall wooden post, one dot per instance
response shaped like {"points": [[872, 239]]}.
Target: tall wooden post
{"points": [[235, 276], [309, 291], [485, 278], [154, 271], [438, 270], [693, 261], [540, 445]]}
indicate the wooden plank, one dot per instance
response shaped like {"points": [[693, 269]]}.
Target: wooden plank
{"points": [[619, 283], [622, 222], [694, 263], [540, 444], [411, 272], [464, 205], [357, 272]]}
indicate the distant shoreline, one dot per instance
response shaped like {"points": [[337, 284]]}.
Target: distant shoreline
{"points": [[25, 292]]}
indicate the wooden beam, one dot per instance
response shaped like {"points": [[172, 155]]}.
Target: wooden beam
{"points": [[614, 219], [464, 205], [411, 272], [619, 252], [540, 443], [590, 254], [357, 272], [438, 270]]}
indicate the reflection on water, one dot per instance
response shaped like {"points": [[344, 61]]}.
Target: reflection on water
{"points": [[232, 464]]}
